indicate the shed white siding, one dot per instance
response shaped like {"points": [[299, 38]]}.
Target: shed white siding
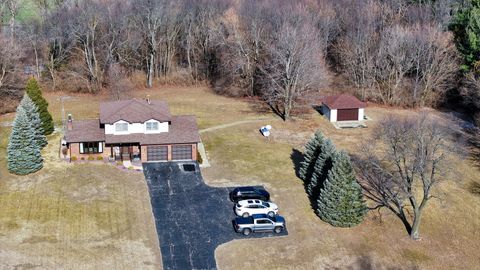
{"points": [[361, 114], [333, 115]]}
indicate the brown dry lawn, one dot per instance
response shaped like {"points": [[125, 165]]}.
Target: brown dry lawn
{"points": [[91, 216], [75, 216]]}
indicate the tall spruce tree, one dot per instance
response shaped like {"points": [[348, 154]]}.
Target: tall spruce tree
{"points": [[321, 167], [340, 201], [34, 119], [312, 150], [23, 155], [35, 93]]}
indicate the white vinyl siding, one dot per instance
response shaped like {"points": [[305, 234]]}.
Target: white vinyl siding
{"points": [[150, 126]]}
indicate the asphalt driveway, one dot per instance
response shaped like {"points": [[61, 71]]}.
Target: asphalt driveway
{"points": [[191, 218]]}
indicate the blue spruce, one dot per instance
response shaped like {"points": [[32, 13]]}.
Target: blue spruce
{"points": [[23, 154], [340, 201], [312, 150], [34, 119], [321, 167]]}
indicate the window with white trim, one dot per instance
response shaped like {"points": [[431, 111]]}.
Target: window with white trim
{"points": [[91, 147], [121, 127], [152, 126]]}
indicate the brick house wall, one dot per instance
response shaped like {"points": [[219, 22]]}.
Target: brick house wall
{"points": [[194, 151], [74, 151], [143, 152]]}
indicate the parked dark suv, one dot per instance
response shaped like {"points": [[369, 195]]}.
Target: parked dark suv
{"points": [[245, 193]]}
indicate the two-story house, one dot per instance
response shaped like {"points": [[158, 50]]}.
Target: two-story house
{"points": [[136, 130]]}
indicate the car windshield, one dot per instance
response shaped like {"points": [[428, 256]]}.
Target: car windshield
{"points": [[266, 204], [238, 205]]}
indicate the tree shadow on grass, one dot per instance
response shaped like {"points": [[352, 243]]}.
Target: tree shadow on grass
{"points": [[474, 141], [368, 263], [297, 157]]}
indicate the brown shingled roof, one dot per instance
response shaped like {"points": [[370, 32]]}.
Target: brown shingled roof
{"points": [[343, 101], [134, 111], [183, 129], [85, 131]]}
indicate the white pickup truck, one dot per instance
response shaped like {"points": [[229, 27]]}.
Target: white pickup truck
{"points": [[259, 223]]}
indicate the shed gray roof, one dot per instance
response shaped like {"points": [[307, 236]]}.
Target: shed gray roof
{"points": [[134, 111]]}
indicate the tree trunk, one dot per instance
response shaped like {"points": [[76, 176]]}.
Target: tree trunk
{"points": [[414, 233], [150, 70], [52, 71]]}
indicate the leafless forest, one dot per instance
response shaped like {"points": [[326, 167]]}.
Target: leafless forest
{"points": [[393, 52]]}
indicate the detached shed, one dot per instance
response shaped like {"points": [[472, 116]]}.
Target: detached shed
{"points": [[343, 107]]}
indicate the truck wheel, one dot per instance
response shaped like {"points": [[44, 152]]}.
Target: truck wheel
{"points": [[247, 231], [278, 229], [245, 215], [271, 214]]}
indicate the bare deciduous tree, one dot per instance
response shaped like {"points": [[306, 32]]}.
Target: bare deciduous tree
{"points": [[245, 45], [148, 18], [10, 55], [119, 84], [357, 48], [296, 63], [401, 171], [13, 7], [435, 64]]}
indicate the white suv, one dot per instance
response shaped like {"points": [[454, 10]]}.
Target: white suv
{"points": [[247, 208]]}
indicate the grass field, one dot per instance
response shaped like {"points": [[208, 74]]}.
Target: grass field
{"points": [[91, 216], [82, 216]]}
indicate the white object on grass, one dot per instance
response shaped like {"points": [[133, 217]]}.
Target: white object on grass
{"points": [[265, 130]]}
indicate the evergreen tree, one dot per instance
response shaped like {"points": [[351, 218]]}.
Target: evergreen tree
{"points": [[35, 93], [340, 201], [312, 150], [34, 119], [466, 29], [321, 167], [23, 155]]}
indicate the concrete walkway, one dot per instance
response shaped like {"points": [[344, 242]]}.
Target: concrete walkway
{"points": [[203, 154]]}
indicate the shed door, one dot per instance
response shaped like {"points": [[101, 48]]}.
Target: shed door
{"points": [[181, 152], [347, 115], [157, 153]]}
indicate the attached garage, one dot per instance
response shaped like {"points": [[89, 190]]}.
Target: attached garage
{"points": [[157, 153], [181, 152], [343, 108]]}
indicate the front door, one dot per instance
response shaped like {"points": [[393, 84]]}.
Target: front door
{"points": [[126, 151]]}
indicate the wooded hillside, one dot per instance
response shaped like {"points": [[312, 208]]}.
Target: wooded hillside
{"points": [[394, 52]]}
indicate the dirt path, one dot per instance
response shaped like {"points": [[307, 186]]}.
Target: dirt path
{"points": [[235, 123]]}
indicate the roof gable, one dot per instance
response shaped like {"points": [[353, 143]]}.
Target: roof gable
{"points": [[134, 111], [343, 101]]}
